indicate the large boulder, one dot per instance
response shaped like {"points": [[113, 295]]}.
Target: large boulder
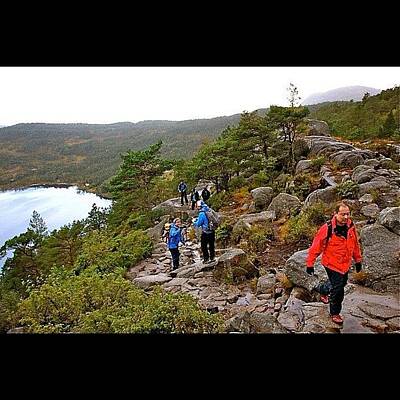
{"points": [[327, 146], [381, 252], [234, 266], [284, 205], [347, 159], [363, 173], [327, 195], [246, 221], [316, 127], [256, 322], [370, 211], [303, 166], [156, 231], [147, 281], [295, 270], [369, 187], [173, 208], [262, 196], [390, 219]]}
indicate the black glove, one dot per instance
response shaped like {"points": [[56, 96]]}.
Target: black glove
{"points": [[310, 270], [358, 266]]}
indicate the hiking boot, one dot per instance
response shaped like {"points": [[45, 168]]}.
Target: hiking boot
{"points": [[324, 299], [337, 319], [205, 261]]}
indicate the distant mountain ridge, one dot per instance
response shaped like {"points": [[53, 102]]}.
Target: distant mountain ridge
{"points": [[345, 93]]}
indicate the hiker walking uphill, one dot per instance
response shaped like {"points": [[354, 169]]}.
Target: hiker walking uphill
{"points": [[208, 224], [205, 194], [182, 188], [174, 238], [194, 197], [337, 241]]}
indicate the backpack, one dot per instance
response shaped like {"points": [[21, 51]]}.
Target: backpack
{"points": [[214, 219], [329, 234]]}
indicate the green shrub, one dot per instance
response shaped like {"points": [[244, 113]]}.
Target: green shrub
{"points": [[347, 190], [102, 252], [258, 237], [218, 200], [91, 303], [305, 225], [237, 182], [317, 163], [223, 234]]}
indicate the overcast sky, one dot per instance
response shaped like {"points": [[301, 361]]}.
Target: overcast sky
{"points": [[116, 94]]}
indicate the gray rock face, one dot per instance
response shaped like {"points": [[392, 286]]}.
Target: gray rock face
{"points": [[246, 221], [155, 232], [370, 211], [369, 187], [390, 219], [145, 282], [319, 128], [347, 159], [303, 166], [295, 270], [381, 249], [265, 284], [328, 147], [367, 198], [363, 173], [235, 265], [285, 204], [327, 195], [262, 196]]}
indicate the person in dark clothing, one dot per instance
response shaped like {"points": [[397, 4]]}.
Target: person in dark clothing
{"points": [[207, 234], [338, 243], [175, 236], [205, 194], [194, 197], [182, 188]]}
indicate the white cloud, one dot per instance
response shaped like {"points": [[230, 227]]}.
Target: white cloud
{"points": [[114, 94]]}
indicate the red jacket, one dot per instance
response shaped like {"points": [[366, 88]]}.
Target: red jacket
{"points": [[338, 253]]}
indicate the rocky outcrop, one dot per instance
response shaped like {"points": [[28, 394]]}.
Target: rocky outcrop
{"points": [[246, 222], [390, 219], [285, 205], [262, 196], [318, 128], [303, 166], [381, 250], [234, 265], [327, 196], [295, 270]]}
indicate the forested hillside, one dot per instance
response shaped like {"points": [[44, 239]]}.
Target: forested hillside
{"points": [[373, 117], [80, 153]]}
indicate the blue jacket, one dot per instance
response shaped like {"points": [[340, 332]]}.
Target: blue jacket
{"points": [[202, 220], [182, 187], [175, 236]]}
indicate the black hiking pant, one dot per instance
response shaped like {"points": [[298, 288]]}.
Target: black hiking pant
{"points": [[184, 195], [175, 257], [334, 287], [193, 204], [208, 245]]}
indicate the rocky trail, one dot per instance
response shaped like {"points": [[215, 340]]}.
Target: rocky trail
{"points": [[277, 295]]}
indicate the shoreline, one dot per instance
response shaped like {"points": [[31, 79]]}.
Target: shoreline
{"points": [[59, 185]]}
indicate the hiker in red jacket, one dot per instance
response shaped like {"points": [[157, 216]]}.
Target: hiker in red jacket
{"points": [[337, 241]]}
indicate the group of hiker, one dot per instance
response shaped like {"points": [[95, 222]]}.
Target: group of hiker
{"points": [[207, 220], [336, 240], [194, 195]]}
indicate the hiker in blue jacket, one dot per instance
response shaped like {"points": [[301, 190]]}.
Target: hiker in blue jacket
{"points": [[175, 236], [207, 234], [182, 188]]}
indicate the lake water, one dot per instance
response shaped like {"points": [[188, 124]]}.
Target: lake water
{"points": [[57, 206]]}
